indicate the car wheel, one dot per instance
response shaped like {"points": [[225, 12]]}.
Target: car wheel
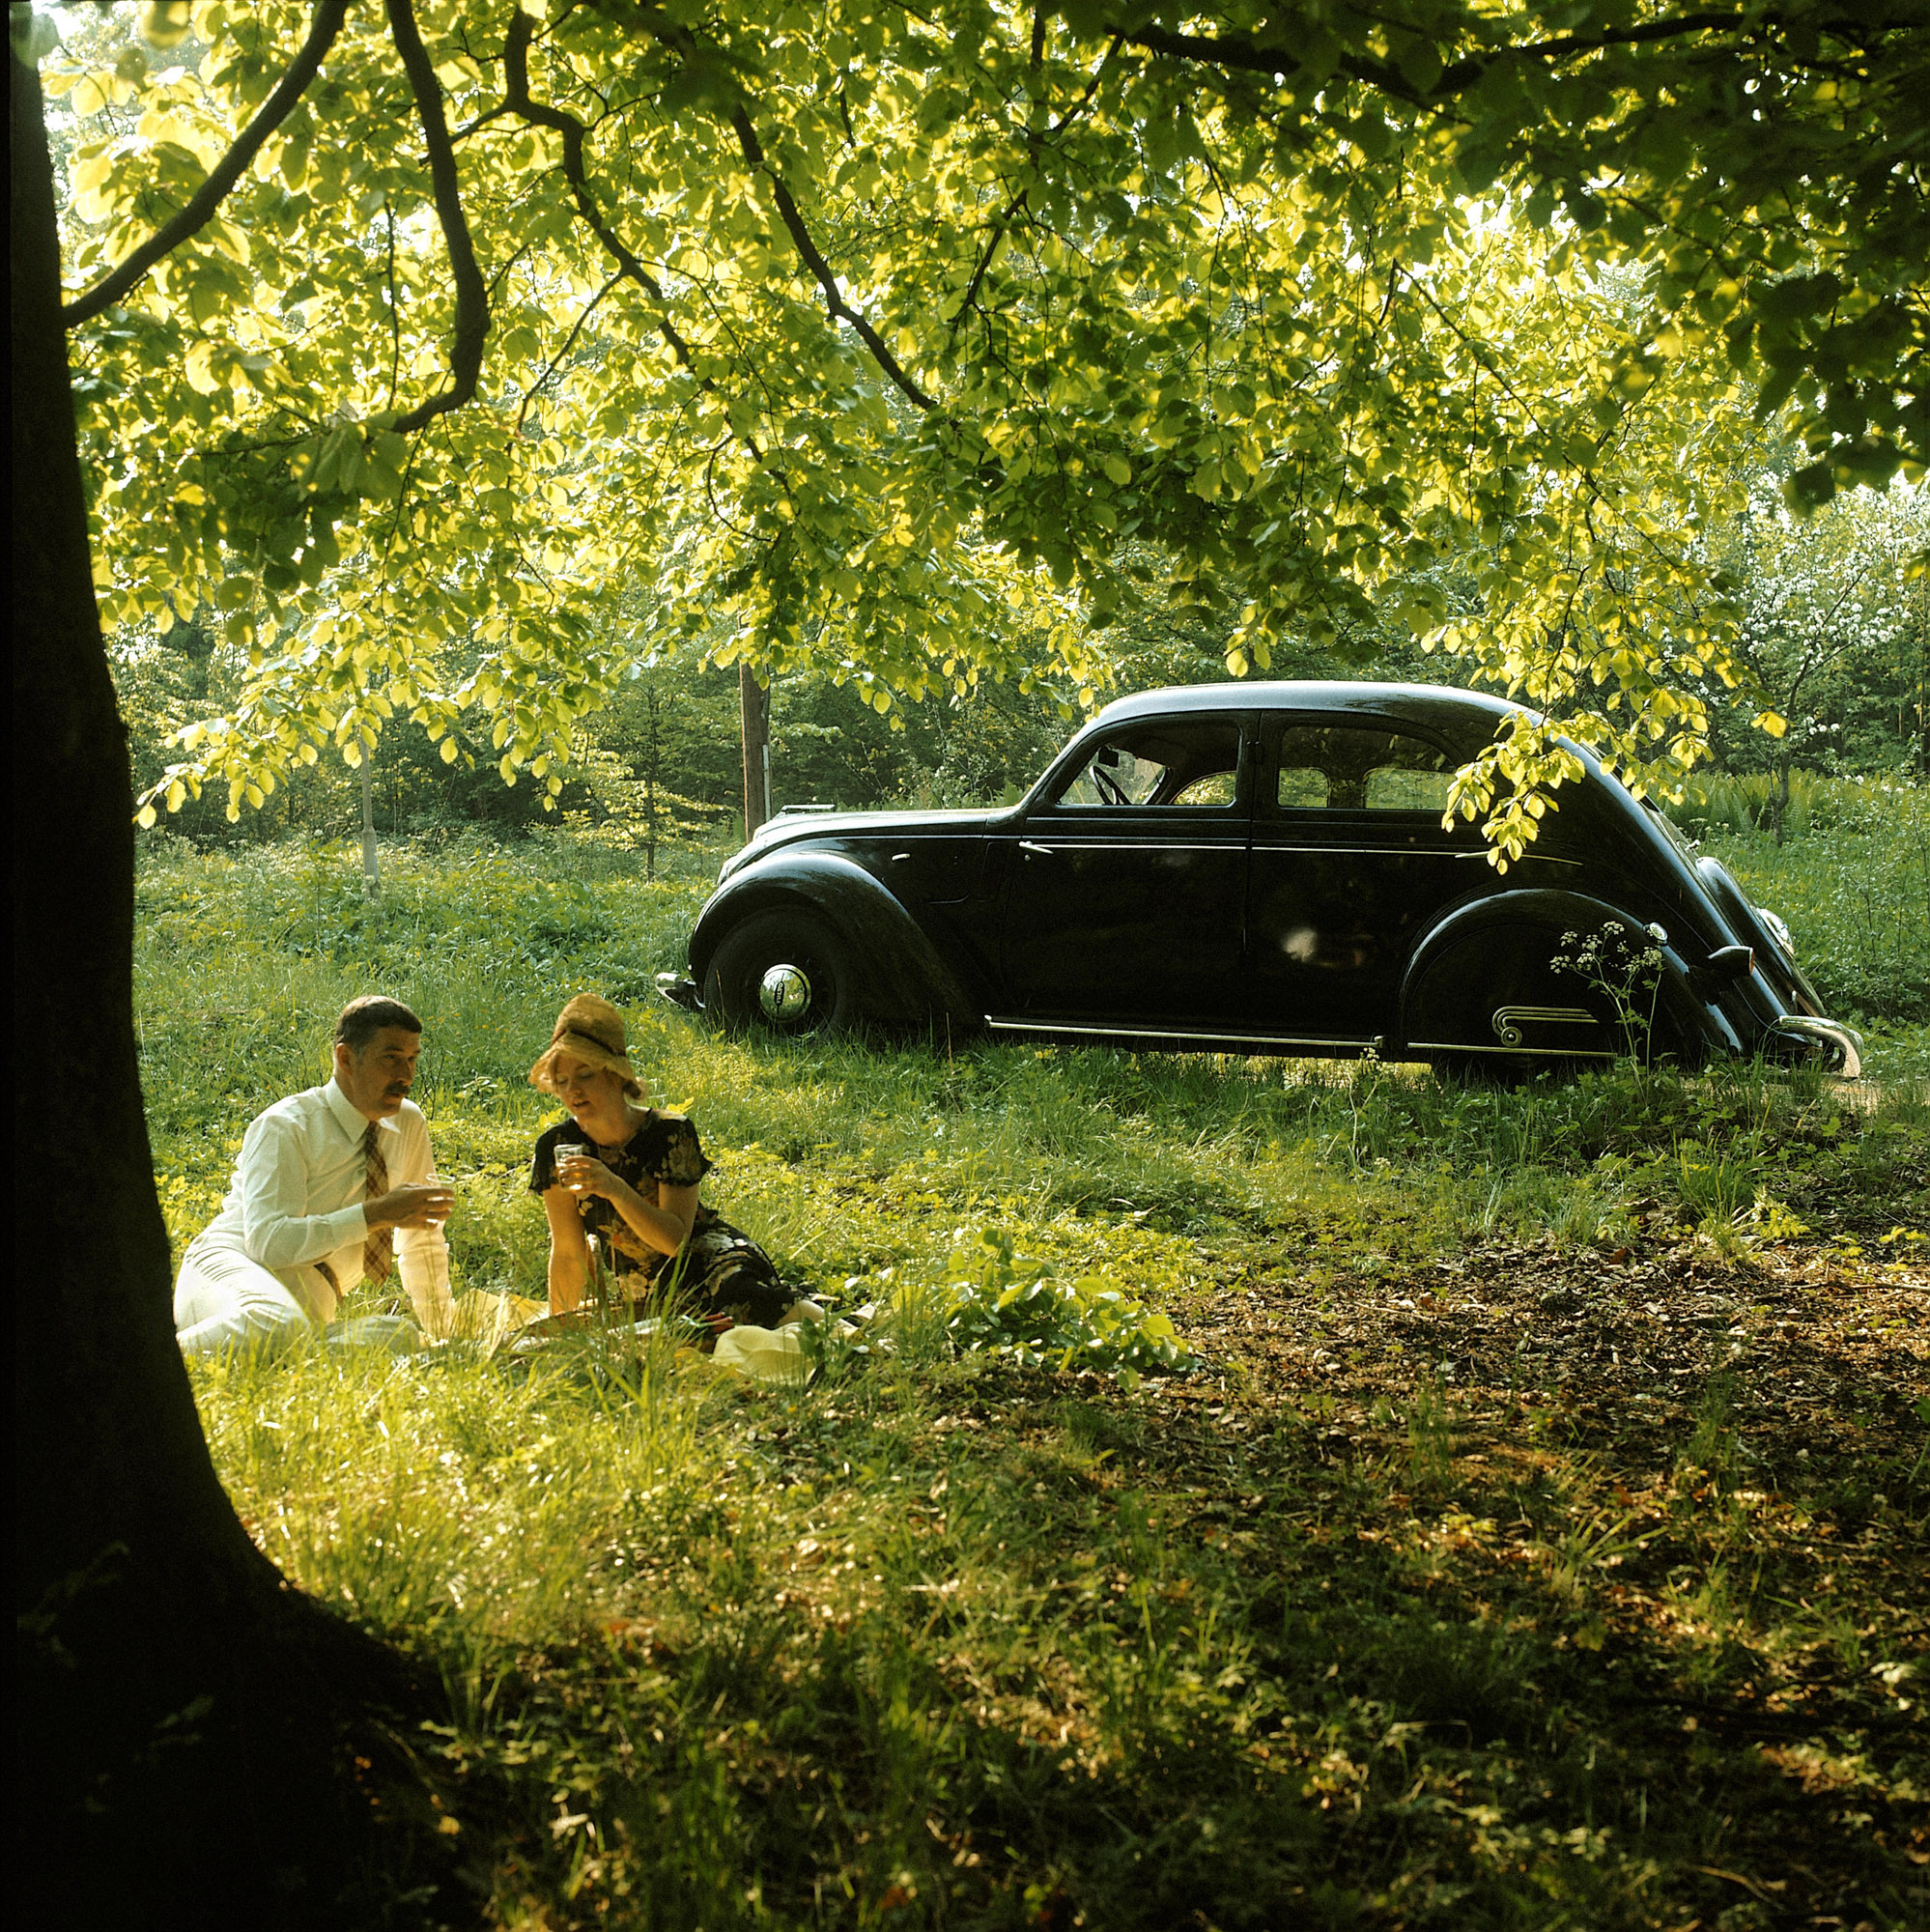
{"points": [[1498, 987], [781, 972]]}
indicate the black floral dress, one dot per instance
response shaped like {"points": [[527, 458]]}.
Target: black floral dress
{"points": [[721, 1270]]}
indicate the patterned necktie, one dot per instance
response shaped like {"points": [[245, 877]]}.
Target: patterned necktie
{"points": [[379, 1250]]}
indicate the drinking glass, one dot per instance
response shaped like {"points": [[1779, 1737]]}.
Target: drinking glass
{"points": [[569, 1151]]}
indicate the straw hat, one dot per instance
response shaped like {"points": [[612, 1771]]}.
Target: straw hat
{"points": [[590, 1030]]}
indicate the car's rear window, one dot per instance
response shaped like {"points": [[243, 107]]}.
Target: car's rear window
{"points": [[1356, 768]]}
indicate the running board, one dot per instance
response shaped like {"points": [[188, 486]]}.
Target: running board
{"points": [[1206, 1040], [1313, 1046]]}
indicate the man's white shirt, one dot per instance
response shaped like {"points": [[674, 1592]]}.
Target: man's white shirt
{"points": [[295, 1205]]}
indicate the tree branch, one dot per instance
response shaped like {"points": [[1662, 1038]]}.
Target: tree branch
{"points": [[322, 30], [1248, 57], [394, 309], [1858, 32], [836, 306], [1034, 142], [465, 352], [969, 301], [516, 98], [569, 343]]}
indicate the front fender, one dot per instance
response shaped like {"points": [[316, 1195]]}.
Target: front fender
{"points": [[1471, 983], [903, 978]]}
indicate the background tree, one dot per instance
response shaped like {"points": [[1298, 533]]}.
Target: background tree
{"points": [[1833, 628], [892, 328]]}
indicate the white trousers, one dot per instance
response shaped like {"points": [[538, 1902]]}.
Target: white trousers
{"points": [[223, 1301]]}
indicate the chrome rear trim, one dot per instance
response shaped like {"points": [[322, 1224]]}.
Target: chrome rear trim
{"points": [[1830, 1038]]}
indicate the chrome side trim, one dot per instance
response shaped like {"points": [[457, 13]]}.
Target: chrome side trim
{"points": [[1507, 1020], [1237, 848], [1339, 846]]}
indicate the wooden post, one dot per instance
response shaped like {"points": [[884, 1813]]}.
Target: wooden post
{"points": [[753, 707]]}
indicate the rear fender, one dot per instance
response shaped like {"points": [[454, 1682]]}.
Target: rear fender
{"points": [[902, 978], [1483, 982]]}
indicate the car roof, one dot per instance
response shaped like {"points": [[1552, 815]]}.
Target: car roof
{"points": [[1443, 705]]}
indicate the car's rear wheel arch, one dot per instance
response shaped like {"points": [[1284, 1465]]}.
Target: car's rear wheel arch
{"points": [[1484, 986]]}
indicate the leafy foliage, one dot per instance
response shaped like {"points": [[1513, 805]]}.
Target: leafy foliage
{"points": [[1852, 880], [988, 1305], [869, 345]]}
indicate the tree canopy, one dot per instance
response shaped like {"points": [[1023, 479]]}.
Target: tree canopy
{"points": [[416, 339]]}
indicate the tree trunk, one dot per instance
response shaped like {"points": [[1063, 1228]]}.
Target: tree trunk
{"points": [[180, 1706], [753, 707], [371, 866], [653, 756]]}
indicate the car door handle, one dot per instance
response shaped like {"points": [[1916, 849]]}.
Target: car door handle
{"points": [[1033, 851]]}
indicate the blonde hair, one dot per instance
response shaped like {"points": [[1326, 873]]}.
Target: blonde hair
{"points": [[590, 1030]]}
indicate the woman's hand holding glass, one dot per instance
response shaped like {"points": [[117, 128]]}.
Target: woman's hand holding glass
{"points": [[581, 1172]]}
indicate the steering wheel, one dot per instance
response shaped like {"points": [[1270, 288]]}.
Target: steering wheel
{"points": [[1108, 788]]}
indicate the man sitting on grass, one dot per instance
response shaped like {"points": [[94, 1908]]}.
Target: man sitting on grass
{"points": [[324, 1179]]}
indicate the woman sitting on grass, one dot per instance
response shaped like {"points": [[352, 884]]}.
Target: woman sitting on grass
{"points": [[626, 1176]]}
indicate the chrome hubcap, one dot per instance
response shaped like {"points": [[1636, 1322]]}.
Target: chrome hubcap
{"points": [[783, 993]]}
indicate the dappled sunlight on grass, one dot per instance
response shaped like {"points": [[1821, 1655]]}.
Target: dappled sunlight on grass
{"points": [[1536, 1540]]}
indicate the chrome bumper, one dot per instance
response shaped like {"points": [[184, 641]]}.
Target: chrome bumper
{"points": [[1839, 1047], [680, 992]]}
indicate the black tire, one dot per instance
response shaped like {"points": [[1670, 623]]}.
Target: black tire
{"points": [[733, 985]]}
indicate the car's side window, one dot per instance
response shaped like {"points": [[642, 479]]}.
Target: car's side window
{"points": [[1191, 763], [1357, 768], [1217, 788]]}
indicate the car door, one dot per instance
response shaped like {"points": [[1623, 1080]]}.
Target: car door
{"points": [[1125, 898], [1350, 866]]}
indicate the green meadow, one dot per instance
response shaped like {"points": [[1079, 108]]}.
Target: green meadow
{"points": [[1524, 1526]]}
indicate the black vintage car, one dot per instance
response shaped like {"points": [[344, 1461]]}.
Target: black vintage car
{"points": [[1262, 868]]}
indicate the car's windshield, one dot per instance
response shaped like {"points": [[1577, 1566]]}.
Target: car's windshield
{"points": [[1183, 761]]}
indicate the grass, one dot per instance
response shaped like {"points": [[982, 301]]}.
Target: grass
{"points": [[1538, 1541], [1852, 879]]}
